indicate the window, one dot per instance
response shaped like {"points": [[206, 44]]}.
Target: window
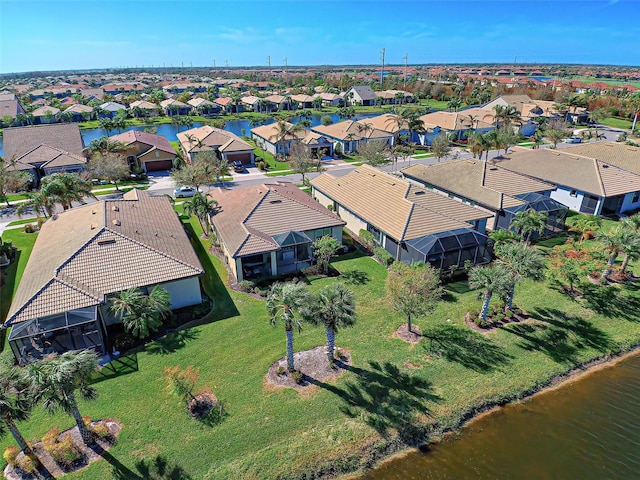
{"points": [[377, 236], [573, 193]]}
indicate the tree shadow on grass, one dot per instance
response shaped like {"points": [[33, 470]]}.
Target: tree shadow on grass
{"points": [[156, 469], [355, 277], [470, 349], [387, 398], [118, 366], [173, 341], [561, 336], [610, 301]]}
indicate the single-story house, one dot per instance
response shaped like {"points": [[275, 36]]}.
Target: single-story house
{"points": [[268, 230], [319, 146], [360, 95], [459, 123], [231, 147], [80, 112], [279, 102], [410, 222], [10, 106], [143, 108], [45, 160], [228, 105], [86, 255], [45, 114], [20, 140], [257, 104], [585, 182], [303, 101], [202, 106], [499, 191], [388, 122], [269, 138], [173, 107], [332, 99], [350, 134], [147, 151], [110, 109]]}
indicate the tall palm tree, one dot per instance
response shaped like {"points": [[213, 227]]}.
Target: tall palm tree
{"points": [[492, 279], [40, 203], [66, 188], [55, 379], [141, 314], [584, 224], [284, 304], [506, 115], [614, 241], [202, 207], [15, 404], [529, 222], [522, 262], [335, 307]]}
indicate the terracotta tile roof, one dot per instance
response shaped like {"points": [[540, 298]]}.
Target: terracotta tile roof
{"points": [[65, 136], [211, 138], [79, 108], [87, 252], [143, 104], [573, 171], [224, 101], [271, 132], [42, 111], [470, 180], [250, 217], [387, 122], [350, 130], [392, 204], [157, 141]]}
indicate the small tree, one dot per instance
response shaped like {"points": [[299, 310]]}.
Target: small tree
{"points": [[413, 290], [529, 222], [182, 381], [11, 180], [300, 160], [325, 248], [374, 152], [367, 239], [440, 146], [141, 314], [109, 166], [202, 207], [15, 404], [200, 172], [492, 279]]}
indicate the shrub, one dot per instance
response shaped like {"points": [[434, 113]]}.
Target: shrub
{"points": [[101, 430], [279, 371], [246, 286], [298, 377], [28, 464], [65, 452], [10, 454], [50, 438], [123, 341], [86, 420], [29, 228], [367, 238], [481, 322], [383, 256], [262, 166], [330, 207]]}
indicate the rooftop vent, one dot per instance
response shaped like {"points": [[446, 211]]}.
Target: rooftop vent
{"points": [[420, 192], [275, 201], [605, 166], [115, 208], [107, 242], [493, 168], [93, 212], [94, 226], [115, 222]]}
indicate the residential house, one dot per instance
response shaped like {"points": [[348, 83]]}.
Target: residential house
{"points": [[412, 223], [45, 114], [351, 134], [270, 138], [10, 106], [228, 105], [268, 230], [394, 97], [85, 256], [79, 112], [20, 140], [229, 146], [143, 108], [173, 107], [502, 192], [303, 101], [45, 160], [252, 103], [319, 146], [585, 181], [360, 95], [110, 109], [459, 124], [332, 99], [151, 153], [388, 122], [279, 102], [202, 106]]}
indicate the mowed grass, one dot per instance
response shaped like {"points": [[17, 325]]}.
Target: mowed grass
{"points": [[339, 425], [617, 122]]}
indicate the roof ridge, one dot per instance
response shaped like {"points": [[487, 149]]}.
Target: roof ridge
{"points": [[80, 249], [79, 286], [7, 322], [600, 181]]}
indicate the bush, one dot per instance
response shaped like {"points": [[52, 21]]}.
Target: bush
{"points": [[298, 377], [28, 464], [246, 286], [29, 228], [383, 256], [279, 371], [367, 239], [123, 342], [101, 430], [262, 166], [481, 322], [65, 452], [10, 454], [50, 438]]}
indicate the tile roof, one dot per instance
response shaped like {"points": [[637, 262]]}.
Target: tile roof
{"points": [[42, 111], [617, 154], [477, 181], [573, 171], [20, 140], [395, 206], [351, 130], [271, 132], [87, 252], [79, 108], [112, 106], [249, 217], [387, 122], [132, 136], [143, 104], [10, 108], [211, 138]]}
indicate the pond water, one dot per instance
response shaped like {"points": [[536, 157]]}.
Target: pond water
{"points": [[170, 131], [587, 429]]}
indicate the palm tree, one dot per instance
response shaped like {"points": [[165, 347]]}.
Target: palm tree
{"points": [[631, 251], [501, 237], [65, 188], [202, 207], [141, 314], [529, 222], [584, 224], [492, 279], [284, 303], [40, 203], [335, 307], [55, 379], [632, 222], [15, 405], [506, 115], [522, 262]]}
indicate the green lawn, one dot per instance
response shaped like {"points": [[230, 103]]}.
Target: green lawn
{"points": [[337, 425], [617, 122]]}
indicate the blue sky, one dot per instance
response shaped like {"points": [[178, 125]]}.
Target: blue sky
{"points": [[56, 35]]}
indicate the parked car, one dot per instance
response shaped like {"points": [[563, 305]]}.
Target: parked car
{"points": [[573, 139], [184, 192], [238, 166]]}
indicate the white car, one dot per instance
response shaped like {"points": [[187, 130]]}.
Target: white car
{"points": [[184, 192], [573, 139]]}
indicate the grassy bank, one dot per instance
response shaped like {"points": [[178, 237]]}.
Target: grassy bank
{"points": [[343, 426], [617, 122]]}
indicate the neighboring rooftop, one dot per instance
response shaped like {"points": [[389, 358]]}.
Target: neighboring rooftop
{"points": [[20, 140], [617, 154], [132, 136]]}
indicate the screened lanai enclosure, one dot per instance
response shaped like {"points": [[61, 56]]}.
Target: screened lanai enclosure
{"points": [[556, 212], [73, 330], [446, 250]]}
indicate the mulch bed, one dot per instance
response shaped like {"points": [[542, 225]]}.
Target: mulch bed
{"points": [[494, 322], [312, 364], [89, 454], [403, 333], [201, 405]]}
